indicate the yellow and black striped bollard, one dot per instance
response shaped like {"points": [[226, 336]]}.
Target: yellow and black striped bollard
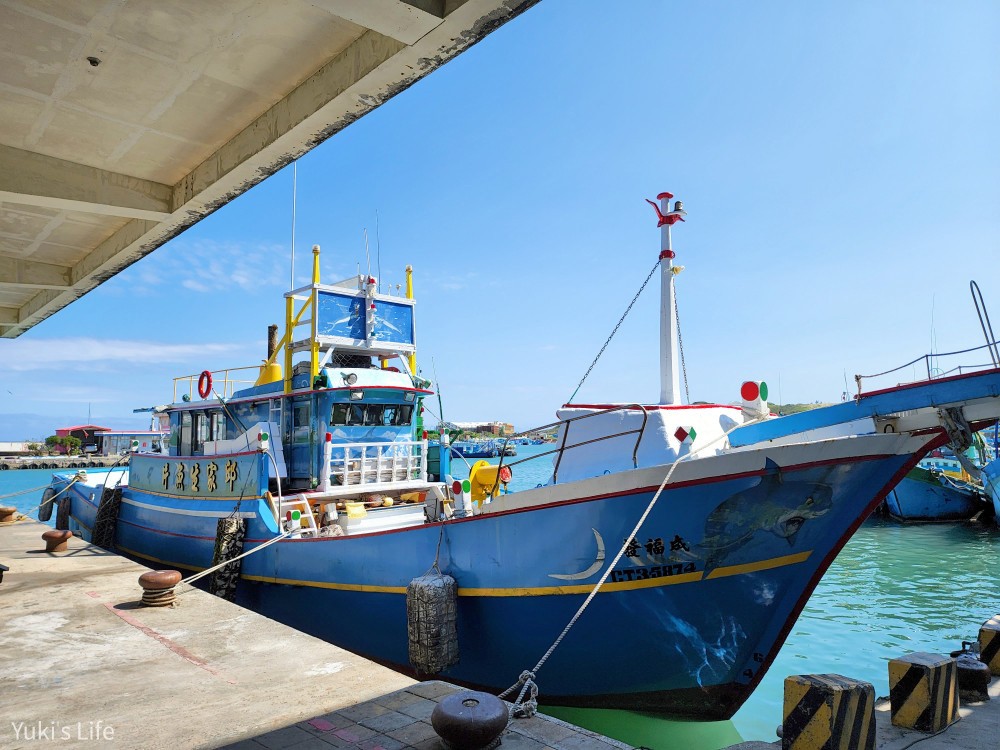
{"points": [[828, 711], [989, 644], [923, 691]]}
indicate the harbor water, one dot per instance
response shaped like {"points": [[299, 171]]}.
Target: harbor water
{"points": [[892, 590]]}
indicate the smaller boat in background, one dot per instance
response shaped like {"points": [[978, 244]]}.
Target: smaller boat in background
{"points": [[945, 486], [991, 476], [927, 495], [475, 449]]}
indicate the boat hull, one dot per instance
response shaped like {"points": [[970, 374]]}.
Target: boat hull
{"points": [[991, 483], [686, 624], [922, 498]]}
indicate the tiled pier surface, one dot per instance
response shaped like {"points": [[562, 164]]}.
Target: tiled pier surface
{"points": [[403, 720]]}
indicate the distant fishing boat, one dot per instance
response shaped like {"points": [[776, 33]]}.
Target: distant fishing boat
{"points": [[927, 495], [673, 545], [475, 449]]}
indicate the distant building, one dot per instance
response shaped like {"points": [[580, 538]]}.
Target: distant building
{"points": [[486, 428], [87, 434]]}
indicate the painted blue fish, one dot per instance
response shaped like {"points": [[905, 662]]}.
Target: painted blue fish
{"points": [[773, 505]]}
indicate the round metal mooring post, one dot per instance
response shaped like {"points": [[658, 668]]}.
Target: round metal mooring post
{"points": [[158, 587], [973, 678], [55, 540], [470, 720], [7, 514]]}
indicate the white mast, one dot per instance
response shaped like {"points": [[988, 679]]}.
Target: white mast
{"points": [[670, 381]]}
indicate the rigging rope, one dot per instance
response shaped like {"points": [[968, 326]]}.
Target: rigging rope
{"points": [[613, 332], [527, 708], [680, 346]]}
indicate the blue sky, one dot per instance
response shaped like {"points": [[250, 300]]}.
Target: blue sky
{"points": [[839, 163]]}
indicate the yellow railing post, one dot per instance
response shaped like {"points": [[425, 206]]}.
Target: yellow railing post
{"points": [[409, 295], [289, 307], [314, 349]]}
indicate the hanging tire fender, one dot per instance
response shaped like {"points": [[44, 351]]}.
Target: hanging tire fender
{"points": [[45, 509]]}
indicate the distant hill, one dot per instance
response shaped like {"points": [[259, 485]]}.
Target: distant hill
{"points": [[786, 409]]}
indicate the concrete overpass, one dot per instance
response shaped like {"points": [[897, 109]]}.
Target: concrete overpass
{"points": [[123, 122]]}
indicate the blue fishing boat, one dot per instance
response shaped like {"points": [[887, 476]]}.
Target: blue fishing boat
{"points": [[928, 496], [943, 487], [659, 567], [475, 449], [991, 476]]}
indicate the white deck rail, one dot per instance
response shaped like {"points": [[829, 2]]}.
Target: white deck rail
{"points": [[378, 465]]}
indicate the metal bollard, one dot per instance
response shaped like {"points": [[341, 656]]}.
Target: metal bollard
{"points": [[158, 587], [470, 720], [56, 541]]}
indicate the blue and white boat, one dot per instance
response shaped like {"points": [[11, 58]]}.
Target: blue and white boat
{"points": [[991, 476], [701, 529], [476, 448], [939, 489]]}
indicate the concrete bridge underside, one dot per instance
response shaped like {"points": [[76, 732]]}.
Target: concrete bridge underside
{"points": [[123, 122]]}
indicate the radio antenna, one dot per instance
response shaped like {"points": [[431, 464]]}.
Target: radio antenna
{"points": [[295, 182], [378, 251]]}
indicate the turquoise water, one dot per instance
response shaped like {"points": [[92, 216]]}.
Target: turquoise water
{"points": [[892, 590]]}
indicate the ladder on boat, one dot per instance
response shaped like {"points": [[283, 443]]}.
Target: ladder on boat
{"points": [[307, 519]]}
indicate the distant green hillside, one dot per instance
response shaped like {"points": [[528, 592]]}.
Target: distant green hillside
{"points": [[785, 409]]}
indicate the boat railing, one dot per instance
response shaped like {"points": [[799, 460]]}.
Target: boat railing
{"points": [[563, 447], [360, 464], [186, 386], [928, 368]]}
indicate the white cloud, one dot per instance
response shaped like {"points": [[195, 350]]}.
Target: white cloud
{"points": [[24, 355], [207, 266]]}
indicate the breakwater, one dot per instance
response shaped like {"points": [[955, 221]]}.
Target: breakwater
{"points": [[60, 462]]}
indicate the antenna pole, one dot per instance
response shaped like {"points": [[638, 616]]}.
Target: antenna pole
{"points": [[670, 383], [295, 183], [378, 252], [368, 255]]}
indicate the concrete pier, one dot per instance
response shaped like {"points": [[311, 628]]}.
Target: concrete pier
{"points": [[82, 664]]}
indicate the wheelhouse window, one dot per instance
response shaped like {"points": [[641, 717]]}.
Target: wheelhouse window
{"points": [[185, 446], [201, 436], [301, 421], [371, 415], [218, 425]]}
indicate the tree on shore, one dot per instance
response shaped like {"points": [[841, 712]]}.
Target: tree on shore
{"points": [[69, 444]]}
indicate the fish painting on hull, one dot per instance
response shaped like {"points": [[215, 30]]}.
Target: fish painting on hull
{"points": [[773, 505]]}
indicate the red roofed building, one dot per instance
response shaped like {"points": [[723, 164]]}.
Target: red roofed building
{"points": [[87, 433]]}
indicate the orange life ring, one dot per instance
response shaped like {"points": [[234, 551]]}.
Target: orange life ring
{"points": [[204, 383]]}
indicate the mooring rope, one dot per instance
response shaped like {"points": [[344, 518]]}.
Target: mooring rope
{"points": [[522, 708], [24, 492], [27, 514], [268, 543]]}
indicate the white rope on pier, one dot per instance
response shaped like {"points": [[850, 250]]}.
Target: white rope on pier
{"points": [[284, 535]]}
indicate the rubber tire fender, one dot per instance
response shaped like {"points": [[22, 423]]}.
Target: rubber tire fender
{"points": [[62, 515], [45, 509]]}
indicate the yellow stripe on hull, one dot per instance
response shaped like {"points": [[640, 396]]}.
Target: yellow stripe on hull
{"points": [[585, 588]]}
